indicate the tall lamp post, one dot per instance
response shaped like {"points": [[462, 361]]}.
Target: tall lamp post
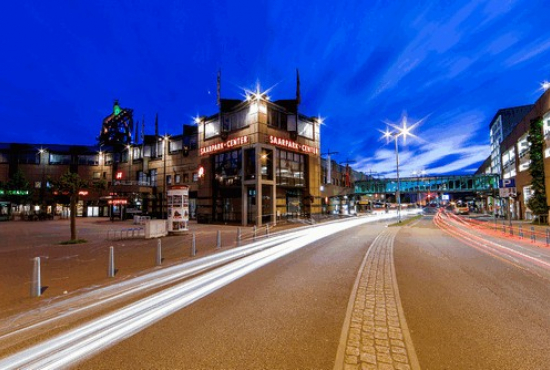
{"points": [[164, 154], [394, 135]]}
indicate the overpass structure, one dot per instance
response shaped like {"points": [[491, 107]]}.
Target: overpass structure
{"points": [[478, 190], [456, 184]]}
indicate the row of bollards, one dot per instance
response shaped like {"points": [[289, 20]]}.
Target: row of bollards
{"points": [[36, 284]]}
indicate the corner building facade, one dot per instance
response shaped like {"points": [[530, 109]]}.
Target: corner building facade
{"points": [[259, 161]]}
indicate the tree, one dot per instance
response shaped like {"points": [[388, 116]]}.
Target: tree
{"points": [[70, 184], [18, 189], [537, 202]]}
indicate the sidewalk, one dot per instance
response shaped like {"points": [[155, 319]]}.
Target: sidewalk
{"points": [[66, 269]]}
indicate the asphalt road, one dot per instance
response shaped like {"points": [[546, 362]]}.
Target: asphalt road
{"points": [[287, 315], [470, 310]]}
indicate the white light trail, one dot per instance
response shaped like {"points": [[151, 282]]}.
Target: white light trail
{"points": [[88, 339]]}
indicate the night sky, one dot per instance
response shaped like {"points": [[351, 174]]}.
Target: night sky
{"points": [[449, 64]]}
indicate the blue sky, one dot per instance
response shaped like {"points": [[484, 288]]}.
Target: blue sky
{"points": [[362, 64]]}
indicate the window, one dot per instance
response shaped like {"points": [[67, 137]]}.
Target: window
{"points": [[177, 178], [37, 184], [88, 159], [236, 120], [276, 118], [142, 178], [96, 175], [108, 158], [60, 158], [266, 162], [28, 158], [136, 153], [290, 169], [227, 167], [169, 179], [153, 176], [186, 178], [305, 129], [4, 157], [212, 128], [175, 146], [195, 177]]}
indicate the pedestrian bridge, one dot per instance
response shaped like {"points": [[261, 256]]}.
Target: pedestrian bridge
{"points": [[477, 184]]}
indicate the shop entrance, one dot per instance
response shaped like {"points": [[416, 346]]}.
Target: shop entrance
{"points": [[228, 207]]}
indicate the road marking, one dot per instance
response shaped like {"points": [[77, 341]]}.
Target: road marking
{"points": [[375, 333]]}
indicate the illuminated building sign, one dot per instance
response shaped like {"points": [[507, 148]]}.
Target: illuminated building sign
{"points": [[14, 192], [118, 201], [241, 140], [285, 143]]}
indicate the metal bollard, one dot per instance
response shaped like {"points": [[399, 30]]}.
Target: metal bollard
{"points": [[533, 236], [193, 246], [239, 237], [159, 253], [547, 236], [111, 267], [219, 239], [267, 230], [520, 232], [254, 233], [36, 286]]}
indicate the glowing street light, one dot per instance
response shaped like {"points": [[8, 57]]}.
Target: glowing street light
{"points": [[404, 130]]}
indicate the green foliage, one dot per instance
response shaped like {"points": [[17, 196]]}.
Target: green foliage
{"points": [[537, 203], [19, 182]]}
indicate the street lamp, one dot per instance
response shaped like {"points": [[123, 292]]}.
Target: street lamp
{"points": [[403, 131], [164, 154]]}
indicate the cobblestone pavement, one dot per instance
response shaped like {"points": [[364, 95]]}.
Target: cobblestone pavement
{"points": [[375, 333]]}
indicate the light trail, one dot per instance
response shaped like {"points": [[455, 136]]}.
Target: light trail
{"points": [[505, 253], [88, 339]]}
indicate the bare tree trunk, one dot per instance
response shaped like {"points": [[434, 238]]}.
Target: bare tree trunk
{"points": [[73, 216]]}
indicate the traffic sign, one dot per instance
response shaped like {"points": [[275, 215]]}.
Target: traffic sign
{"points": [[507, 183]]}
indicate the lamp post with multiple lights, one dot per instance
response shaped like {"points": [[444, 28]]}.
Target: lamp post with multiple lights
{"points": [[398, 131]]}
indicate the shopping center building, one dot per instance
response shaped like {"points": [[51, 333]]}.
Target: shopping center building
{"points": [[259, 161], [252, 162]]}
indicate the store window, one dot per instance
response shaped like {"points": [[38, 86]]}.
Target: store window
{"points": [[290, 169], [250, 164], [227, 167], [266, 162]]}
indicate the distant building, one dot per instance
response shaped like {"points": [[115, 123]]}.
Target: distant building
{"points": [[500, 127]]}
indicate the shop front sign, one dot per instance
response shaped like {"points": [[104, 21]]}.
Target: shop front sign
{"points": [[289, 144], [228, 144]]}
